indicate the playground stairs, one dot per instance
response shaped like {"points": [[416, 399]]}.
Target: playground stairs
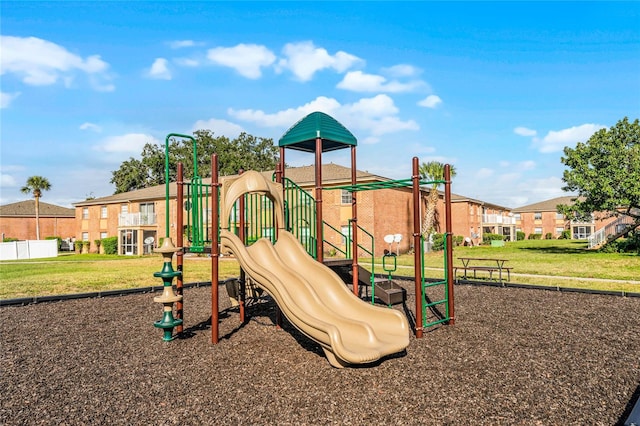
{"points": [[343, 268], [616, 229]]}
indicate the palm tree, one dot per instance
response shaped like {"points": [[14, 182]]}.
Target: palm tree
{"points": [[432, 171], [35, 185]]}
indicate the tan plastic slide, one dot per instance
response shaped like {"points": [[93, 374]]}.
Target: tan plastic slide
{"points": [[312, 297]]}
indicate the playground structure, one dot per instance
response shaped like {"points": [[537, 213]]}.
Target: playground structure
{"points": [[271, 226]]}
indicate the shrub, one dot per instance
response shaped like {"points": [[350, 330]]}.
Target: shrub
{"points": [[548, 236], [97, 244], [566, 235], [9, 240], [438, 242], [520, 236], [457, 240], [534, 237], [488, 237], [110, 245]]}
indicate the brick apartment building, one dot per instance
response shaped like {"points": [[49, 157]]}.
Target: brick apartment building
{"points": [[543, 218], [136, 216], [472, 218], [18, 220]]}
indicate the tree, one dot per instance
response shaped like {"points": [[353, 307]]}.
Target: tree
{"points": [[605, 172], [432, 171], [35, 185], [246, 151]]}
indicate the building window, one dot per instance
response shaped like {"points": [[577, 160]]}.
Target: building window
{"points": [[559, 230], [346, 231], [517, 216], [103, 235], [537, 216], [103, 212], [559, 216], [124, 208], [85, 236], [537, 230], [346, 197], [147, 208], [85, 212]]}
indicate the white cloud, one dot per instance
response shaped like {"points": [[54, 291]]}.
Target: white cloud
{"points": [[523, 131], [431, 101], [7, 98], [541, 189], [555, 141], [159, 70], [304, 59], [484, 173], [131, 143], [370, 117], [401, 70], [247, 59], [370, 140], [526, 165], [187, 62], [179, 44], [39, 62], [7, 181], [357, 81], [219, 127], [90, 126], [287, 117]]}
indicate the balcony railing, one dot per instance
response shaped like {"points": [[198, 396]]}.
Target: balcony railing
{"points": [[499, 219], [136, 219]]}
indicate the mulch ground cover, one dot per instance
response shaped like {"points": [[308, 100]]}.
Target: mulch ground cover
{"points": [[514, 356]]}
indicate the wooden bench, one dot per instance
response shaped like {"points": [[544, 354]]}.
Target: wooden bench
{"points": [[487, 267]]}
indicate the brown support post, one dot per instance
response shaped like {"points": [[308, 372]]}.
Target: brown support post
{"points": [[318, 167], [417, 250], [215, 253], [449, 228], [242, 234], [280, 170], [279, 179], [180, 243], [354, 225]]}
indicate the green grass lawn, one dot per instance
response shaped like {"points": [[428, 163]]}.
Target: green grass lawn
{"points": [[541, 258], [88, 273]]}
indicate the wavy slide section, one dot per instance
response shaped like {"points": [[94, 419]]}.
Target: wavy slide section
{"points": [[316, 301]]}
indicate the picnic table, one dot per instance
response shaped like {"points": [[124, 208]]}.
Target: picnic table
{"points": [[483, 264]]}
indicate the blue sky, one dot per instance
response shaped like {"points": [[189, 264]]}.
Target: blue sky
{"points": [[496, 89]]}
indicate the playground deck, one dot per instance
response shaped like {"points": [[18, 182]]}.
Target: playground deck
{"points": [[515, 356]]}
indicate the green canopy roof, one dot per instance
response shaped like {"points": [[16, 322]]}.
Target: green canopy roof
{"points": [[302, 135]]}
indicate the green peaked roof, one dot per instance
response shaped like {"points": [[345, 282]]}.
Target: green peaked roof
{"points": [[302, 135]]}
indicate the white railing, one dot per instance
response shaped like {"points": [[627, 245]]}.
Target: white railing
{"points": [[136, 219], [612, 229], [498, 218]]}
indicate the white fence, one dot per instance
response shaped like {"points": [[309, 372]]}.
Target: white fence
{"points": [[31, 249]]}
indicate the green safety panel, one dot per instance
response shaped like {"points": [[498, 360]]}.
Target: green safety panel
{"points": [[302, 135]]}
